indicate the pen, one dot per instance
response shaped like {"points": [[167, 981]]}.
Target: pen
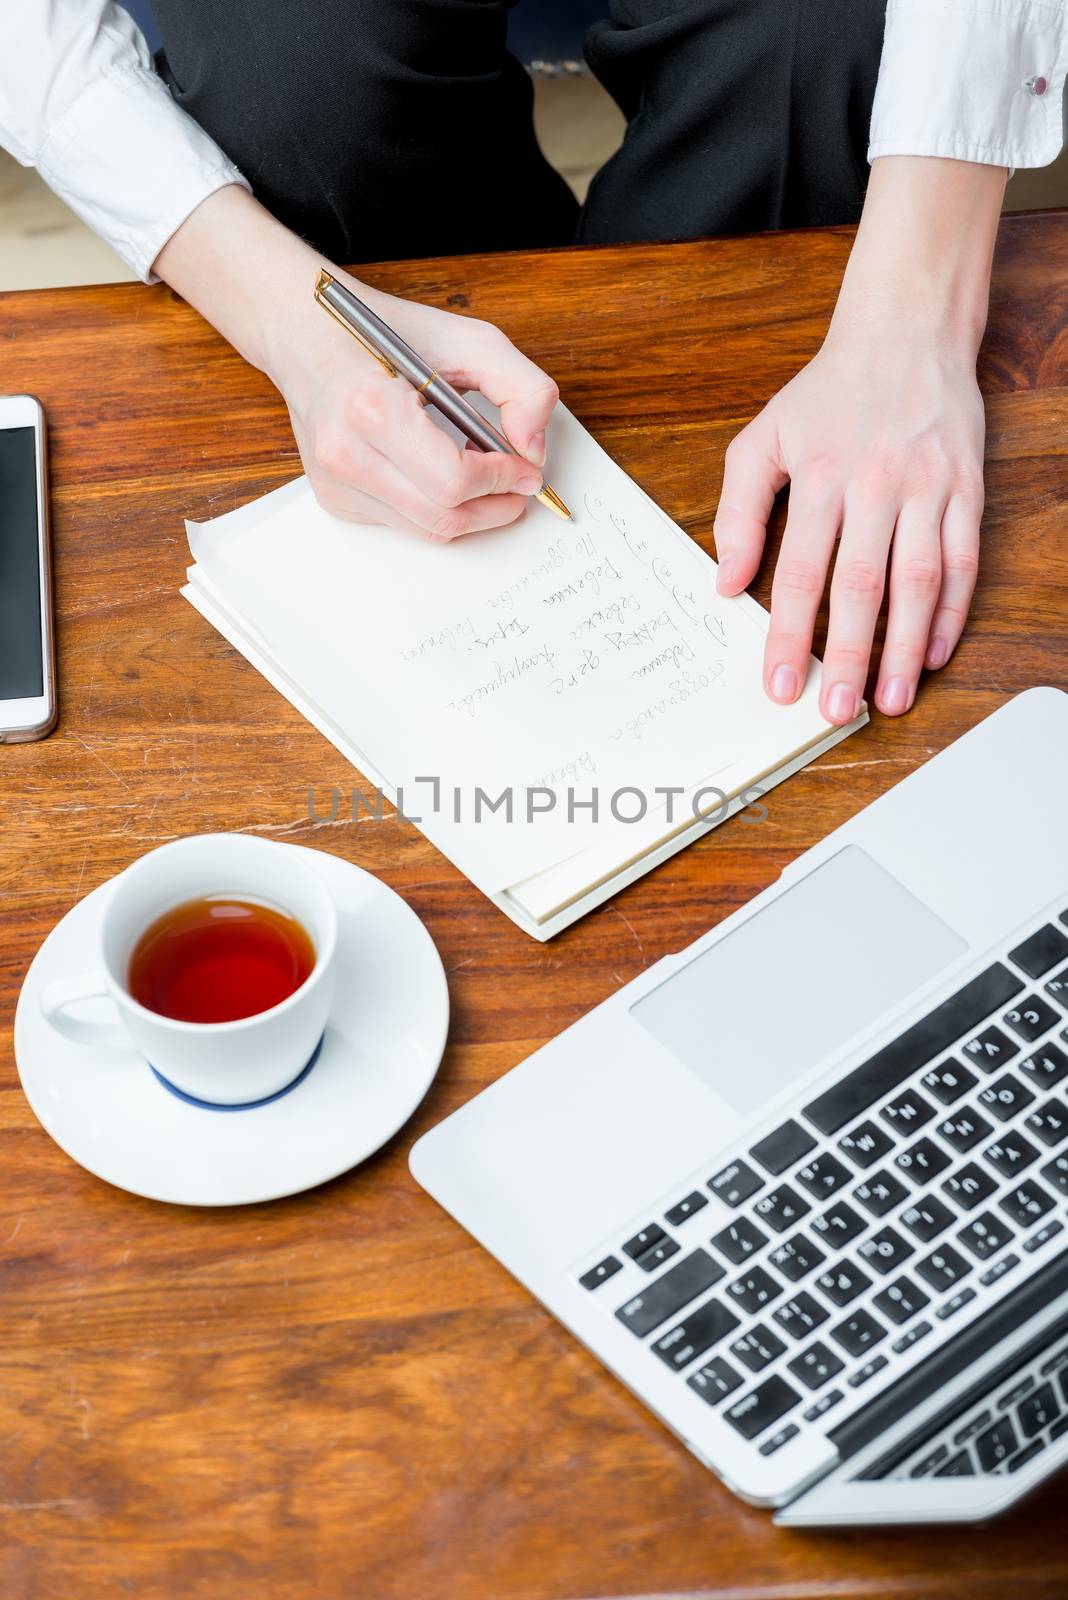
{"points": [[400, 360]]}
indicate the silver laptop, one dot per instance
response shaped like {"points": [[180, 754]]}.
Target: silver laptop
{"points": [[803, 1187]]}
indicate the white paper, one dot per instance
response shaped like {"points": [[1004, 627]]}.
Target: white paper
{"points": [[585, 656]]}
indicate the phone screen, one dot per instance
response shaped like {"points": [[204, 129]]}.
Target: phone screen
{"points": [[21, 653]]}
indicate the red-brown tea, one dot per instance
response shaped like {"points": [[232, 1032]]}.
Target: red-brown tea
{"points": [[218, 959]]}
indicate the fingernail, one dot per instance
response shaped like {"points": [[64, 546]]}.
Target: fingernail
{"points": [[536, 449], [896, 697], [727, 571], [784, 685], [528, 484], [842, 703], [938, 654]]}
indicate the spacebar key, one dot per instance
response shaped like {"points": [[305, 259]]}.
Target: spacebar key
{"points": [[670, 1292], [913, 1049]]}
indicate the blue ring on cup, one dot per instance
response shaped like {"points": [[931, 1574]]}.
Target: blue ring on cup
{"points": [[243, 1105]]}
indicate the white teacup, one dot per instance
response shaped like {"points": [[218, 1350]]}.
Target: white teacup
{"points": [[227, 1063]]}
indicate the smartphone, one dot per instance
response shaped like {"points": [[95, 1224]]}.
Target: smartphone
{"points": [[27, 648]]}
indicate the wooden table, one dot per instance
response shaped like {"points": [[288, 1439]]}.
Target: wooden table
{"points": [[340, 1396]]}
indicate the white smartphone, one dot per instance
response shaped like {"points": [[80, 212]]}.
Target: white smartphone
{"points": [[27, 647]]}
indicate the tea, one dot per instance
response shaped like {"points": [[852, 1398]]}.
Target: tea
{"points": [[218, 959]]}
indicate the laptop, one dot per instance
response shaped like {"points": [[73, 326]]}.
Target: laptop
{"points": [[803, 1186]]}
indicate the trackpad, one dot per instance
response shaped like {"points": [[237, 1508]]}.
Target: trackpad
{"points": [[765, 1005]]}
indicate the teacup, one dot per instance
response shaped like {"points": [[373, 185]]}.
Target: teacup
{"points": [[224, 1063]]}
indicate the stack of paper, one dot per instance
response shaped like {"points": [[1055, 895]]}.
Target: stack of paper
{"points": [[561, 705]]}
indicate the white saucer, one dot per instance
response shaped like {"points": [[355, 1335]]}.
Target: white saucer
{"points": [[381, 1050]]}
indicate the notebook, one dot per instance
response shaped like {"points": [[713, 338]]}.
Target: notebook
{"points": [[559, 707]]}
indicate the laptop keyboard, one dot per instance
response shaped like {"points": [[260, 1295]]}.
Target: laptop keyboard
{"points": [[859, 1229], [1003, 1430]]}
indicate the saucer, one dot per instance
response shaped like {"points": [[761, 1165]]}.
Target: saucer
{"points": [[383, 1044]]}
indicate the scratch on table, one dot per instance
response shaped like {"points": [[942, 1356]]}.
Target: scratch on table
{"points": [[98, 757], [13, 1235], [633, 932]]}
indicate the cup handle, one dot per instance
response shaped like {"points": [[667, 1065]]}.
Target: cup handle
{"points": [[64, 992]]}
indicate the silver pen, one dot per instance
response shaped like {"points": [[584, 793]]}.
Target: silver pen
{"points": [[401, 361]]}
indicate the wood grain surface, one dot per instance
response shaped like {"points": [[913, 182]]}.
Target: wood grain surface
{"points": [[340, 1396]]}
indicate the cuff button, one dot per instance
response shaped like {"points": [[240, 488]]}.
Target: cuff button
{"points": [[1036, 85]]}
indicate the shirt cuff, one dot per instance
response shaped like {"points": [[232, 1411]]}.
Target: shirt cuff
{"points": [[132, 163], [974, 80]]}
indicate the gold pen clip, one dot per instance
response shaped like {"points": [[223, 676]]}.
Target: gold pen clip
{"points": [[325, 280]]}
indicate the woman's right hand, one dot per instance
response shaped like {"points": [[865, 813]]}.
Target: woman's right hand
{"points": [[369, 447]]}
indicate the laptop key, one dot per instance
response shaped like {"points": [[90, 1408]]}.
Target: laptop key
{"points": [[715, 1380], [964, 1130], [985, 1236], [1046, 1067], [955, 1303], [880, 1193], [1031, 1017], [1022, 1457], [1005, 1097], [996, 1445], [859, 1332], [657, 1255], [781, 1208], [755, 1291], [1056, 1174], [943, 1268], [832, 1398], [1026, 1204], [757, 1348], [685, 1209], [1043, 1236], [1011, 1154], [777, 1440], [919, 1330], [1037, 1412], [969, 1186], [815, 1366], [998, 1270], [991, 1049], [601, 1272], [958, 1466], [735, 1183], [762, 1407], [1057, 988], [843, 1282], [838, 1224], [900, 1300], [1049, 1123], [1041, 951], [922, 1161], [927, 1217], [783, 1148], [948, 1082], [929, 1037], [934, 1458], [796, 1258], [866, 1144], [739, 1240], [823, 1175], [907, 1112], [801, 1315], [644, 1240], [701, 1328], [670, 1292], [885, 1251], [868, 1370]]}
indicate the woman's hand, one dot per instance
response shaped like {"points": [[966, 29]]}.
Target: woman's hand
{"points": [[881, 440], [369, 447]]}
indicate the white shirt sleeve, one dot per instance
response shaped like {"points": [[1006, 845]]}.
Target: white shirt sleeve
{"points": [[81, 102], [976, 80]]}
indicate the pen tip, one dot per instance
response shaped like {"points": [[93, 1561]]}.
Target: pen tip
{"points": [[550, 498]]}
